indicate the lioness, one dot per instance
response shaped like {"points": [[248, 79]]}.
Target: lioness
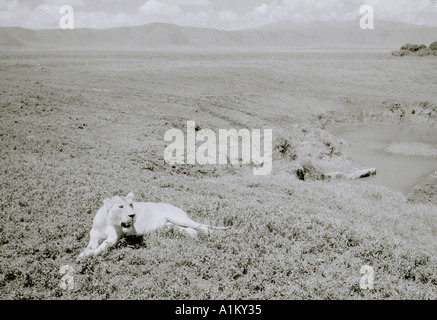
{"points": [[120, 216]]}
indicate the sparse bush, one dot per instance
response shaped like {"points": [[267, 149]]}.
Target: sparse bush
{"points": [[424, 108], [424, 52], [414, 49], [411, 47], [284, 148], [401, 53], [392, 106], [309, 172]]}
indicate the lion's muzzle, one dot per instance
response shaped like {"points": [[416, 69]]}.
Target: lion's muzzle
{"points": [[126, 225]]}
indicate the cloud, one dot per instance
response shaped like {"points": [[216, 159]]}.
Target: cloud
{"points": [[13, 13], [228, 16], [418, 11], [193, 3], [34, 15], [225, 14], [171, 11], [101, 19], [314, 10], [157, 8]]}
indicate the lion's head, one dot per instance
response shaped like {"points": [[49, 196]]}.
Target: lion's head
{"points": [[121, 211]]}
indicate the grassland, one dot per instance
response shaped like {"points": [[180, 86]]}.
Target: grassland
{"points": [[76, 128]]}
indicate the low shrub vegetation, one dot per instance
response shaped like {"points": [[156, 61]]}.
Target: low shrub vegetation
{"points": [[66, 147], [416, 50]]}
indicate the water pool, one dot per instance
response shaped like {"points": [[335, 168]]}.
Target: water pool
{"points": [[369, 145]]}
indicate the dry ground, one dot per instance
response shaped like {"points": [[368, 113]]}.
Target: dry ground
{"points": [[76, 128]]}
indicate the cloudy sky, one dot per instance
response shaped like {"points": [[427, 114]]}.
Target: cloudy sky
{"points": [[221, 14]]}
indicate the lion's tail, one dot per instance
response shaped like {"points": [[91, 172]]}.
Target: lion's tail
{"points": [[209, 227], [218, 228]]}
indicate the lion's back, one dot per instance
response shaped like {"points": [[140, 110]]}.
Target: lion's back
{"points": [[150, 216]]}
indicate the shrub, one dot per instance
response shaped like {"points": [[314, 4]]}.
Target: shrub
{"points": [[309, 172], [424, 108], [401, 53], [411, 47], [424, 52], [285, 149], [392, 106], [414, 49]]}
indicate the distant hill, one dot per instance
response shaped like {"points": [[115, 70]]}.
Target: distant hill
{"points": [[282, 36]]}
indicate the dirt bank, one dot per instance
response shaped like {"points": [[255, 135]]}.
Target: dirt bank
{"points": [[426, 191]]}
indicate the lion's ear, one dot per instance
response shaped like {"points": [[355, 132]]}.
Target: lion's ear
{"points": [[130, 197], [108, 204]]}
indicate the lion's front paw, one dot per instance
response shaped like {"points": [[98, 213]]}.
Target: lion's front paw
{"points": [[85, 254]]}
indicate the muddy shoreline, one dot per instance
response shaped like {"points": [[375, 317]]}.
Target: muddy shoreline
{"points": [[426, 191]]}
